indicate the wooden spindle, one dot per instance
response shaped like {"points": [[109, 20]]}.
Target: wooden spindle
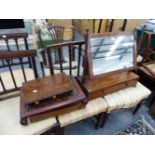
{"points": [[50, 61], [100, 24], [11, 72], [34, 67], [124, 24], [7, 44], [79, 60], [70, 60], [3, 86], [60, 58], [27, 48], [8, 48], [16, 41], [22, 67], [26, 44], [111, 25]]}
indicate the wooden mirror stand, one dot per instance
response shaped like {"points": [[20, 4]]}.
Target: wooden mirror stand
{"points": [[109, 61]]}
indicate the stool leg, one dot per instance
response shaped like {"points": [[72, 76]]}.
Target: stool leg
{"points": [[152, 99], [136, 108], [101, 119]]}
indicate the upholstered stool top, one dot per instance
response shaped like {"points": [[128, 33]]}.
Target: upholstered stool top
{"points": [[126, 98], [92, 108], [10, 120]]}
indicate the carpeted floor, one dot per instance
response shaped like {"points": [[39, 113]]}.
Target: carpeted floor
{"points": [[137, 128], [116, 121]]}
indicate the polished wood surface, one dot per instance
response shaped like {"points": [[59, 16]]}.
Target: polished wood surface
{"points": [[6, 44], [52, 104], [109, 84], [46, 87]]}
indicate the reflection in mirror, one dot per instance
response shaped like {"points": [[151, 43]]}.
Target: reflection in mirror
{"points": [[112, 53]]}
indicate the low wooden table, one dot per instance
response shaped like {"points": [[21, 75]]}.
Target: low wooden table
{"points": [[49, 94]]}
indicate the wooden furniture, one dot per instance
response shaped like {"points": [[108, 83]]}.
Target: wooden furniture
{"points": [[74, 56], [54, 36], [66, 23], [108, 59], [146, 40], [57, 33], [49, 94], [11, 79], [13, 42], [96, 107], [109, 84], [110, 53], [147, 73], [152, 110]]}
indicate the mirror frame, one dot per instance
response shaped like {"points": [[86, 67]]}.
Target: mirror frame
{"points": [[89, 66]]}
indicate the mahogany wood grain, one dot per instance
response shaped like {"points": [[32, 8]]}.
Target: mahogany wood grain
{"points": [[46, 87], [109, 84], [52, 104]]}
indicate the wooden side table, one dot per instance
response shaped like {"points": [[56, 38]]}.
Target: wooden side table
{"points": [[49, 94]]}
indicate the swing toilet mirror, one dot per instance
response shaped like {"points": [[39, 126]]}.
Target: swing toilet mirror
{"points": [[110, 53]]}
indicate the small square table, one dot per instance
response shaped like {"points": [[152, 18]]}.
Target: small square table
{"points": [[49, 94]]}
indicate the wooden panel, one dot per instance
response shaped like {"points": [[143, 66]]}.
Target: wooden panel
{"points": [[109, 84], [56, 113], [34, 90]]}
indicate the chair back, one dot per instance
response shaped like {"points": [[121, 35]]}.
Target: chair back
{"points": [[13, 42], [56, 32], [72, 51], [12, 76]]}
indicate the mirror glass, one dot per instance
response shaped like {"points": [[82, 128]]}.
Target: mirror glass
{"points": [[112, 53]]}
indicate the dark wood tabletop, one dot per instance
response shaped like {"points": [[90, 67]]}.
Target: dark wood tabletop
{"points": [[44, 88], [49, 94]]}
